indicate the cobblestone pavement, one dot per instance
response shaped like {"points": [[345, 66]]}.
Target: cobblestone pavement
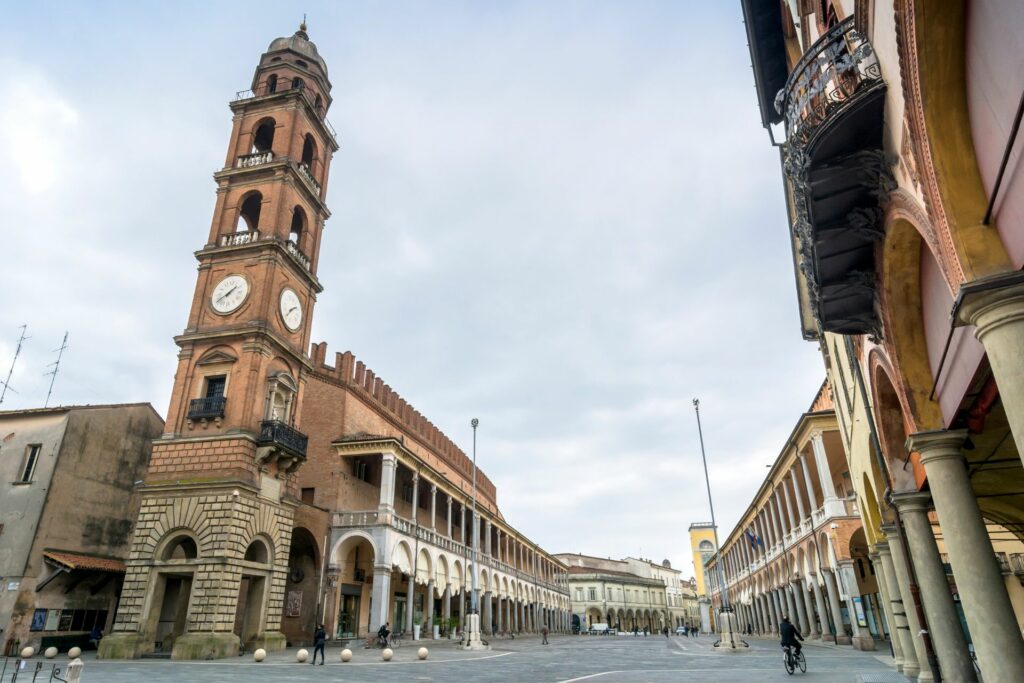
{"points": [[567, 659]]}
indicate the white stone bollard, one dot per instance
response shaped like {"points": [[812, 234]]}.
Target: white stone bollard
{"points": [[75, 670], [50, 652], [346, 655], [74, 653], [423, 653], [302, 656], [386, 654], [259, 655], [27, 652]]}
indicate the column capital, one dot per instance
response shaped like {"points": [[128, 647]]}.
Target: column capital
{"points": [[433, 489], [991, 301], [938, 444], [816, 435], [388, 457], [913, 501], [415, 476], [382, 569]]}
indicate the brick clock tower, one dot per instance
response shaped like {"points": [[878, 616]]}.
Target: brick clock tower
{"points": [[209, 556]]}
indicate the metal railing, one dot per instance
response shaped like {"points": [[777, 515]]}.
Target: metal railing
{"points": [[207, 407], [1017, 563], [834, 70], [283, 86], [14, 669], [255, 159], [282, 434]]}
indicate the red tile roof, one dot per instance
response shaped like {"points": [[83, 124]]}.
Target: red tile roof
{"points": [[70, 560]]}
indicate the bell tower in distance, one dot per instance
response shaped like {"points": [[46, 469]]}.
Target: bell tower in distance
{"points": [[209, 555]]}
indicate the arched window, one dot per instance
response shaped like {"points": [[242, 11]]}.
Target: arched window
{"points": [[298, 226], [281, 390], [301, 63], [249, 214], [181, 548], [298, 83], [272, 84], [308, 151], [257, 552], [263, 138]]}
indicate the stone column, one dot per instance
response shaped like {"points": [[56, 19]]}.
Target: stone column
{"points": [[501, 608], [801, 615], [389, 465], [485, 604], [899, 562], [449, 530], [796, 494], [998, 316], [773, 609], [433, 507], [833, 600], [790, 607], [428, 609], [380, 596], [497, 545], [776, 519], [487, 539], [812, 626], [847, 576], [410, 596], [819, 604], [415, 497], [943, 622], [899, 623], [990, 617], [446, 607], [759, 619], [462, 524], [807, 482], [886, 602]]}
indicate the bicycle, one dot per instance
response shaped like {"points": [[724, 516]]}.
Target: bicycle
{"points": [[396, 640], [792, 661]]}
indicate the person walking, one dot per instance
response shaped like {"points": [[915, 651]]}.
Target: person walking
{"points": [[544, 634], [319, 641]]}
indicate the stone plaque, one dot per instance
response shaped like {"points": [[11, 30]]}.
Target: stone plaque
{"points": [[293, 606]]}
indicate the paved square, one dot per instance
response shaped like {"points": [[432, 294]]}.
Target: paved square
{"points": [[567, 659]]}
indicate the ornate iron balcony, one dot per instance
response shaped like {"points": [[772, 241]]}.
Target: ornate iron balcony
{"points": [[207, 408], [281, 434], [833, 105]]}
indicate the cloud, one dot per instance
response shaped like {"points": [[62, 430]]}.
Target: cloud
{"points": [[563, 219]]}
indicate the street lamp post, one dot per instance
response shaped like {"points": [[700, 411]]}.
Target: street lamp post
{"points": [[473, 641], [728, 636]]}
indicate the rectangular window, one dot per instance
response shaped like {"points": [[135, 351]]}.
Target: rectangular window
{"points": [[592, 593], [31, 458], [579, 595], [307, 496], [215, 386], [360, 470]]}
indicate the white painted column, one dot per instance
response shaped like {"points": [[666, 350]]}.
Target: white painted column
{"points": [[807, 482], [415, 497], [449, 517], [796, 494], [487, 540], [389, 465], [380, 596], [833, 506], [462, 524], [433, 507], [789, 504]]}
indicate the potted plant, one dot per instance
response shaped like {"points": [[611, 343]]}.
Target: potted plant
{"points": [[437, 626], [417, 622], [453, 627]]}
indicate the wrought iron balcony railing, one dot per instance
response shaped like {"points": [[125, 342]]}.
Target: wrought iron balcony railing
{"points": [[836, 69], [283, 86], [207, 408], [281, 434]]}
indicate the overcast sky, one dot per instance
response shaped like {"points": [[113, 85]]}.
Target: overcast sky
{"points": [[562, 218]]}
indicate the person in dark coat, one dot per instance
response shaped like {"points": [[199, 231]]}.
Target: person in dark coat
{"points": [[319, 641], [790, 636]]}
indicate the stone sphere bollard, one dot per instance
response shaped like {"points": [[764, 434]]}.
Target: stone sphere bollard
{"points": [[50, 653], [27, 652], [423, 653], [346, 655], [74, 653], [302, 656], [259, 655], [386, 654]]}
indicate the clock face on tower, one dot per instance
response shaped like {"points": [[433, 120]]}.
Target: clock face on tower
{"points": [[291, 309], [229, 293]]}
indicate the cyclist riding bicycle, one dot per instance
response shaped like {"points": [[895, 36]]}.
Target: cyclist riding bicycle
{"points": [[790, 636]]}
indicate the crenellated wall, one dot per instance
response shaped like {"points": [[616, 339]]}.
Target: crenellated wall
{"points": [[353, 374]]}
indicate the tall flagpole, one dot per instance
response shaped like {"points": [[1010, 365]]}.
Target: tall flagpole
{"points": [[714, 525]]}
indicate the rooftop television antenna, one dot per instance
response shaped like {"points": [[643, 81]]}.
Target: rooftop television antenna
{"points": [[56, 367], [17, 352]]}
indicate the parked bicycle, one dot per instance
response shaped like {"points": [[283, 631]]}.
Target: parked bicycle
{"points": [[793, 661]]}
